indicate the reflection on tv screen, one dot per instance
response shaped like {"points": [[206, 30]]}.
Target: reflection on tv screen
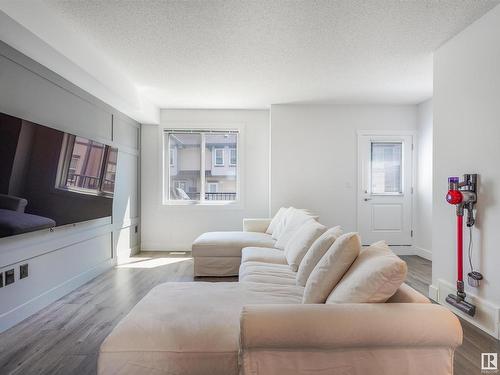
{"points": [[49, 178]]}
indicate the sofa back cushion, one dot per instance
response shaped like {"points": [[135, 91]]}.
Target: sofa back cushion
{"points": [[374, 277], [292, 221], [330, 269], [276, 220], [301, 241], [279, 228], [315, 253]]}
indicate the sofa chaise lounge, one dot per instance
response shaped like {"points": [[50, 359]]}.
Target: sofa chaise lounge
{"points": [[219, 253]]}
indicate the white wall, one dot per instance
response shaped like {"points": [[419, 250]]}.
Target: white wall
{"points": [[175, 227], [62, 260], [466, 140], [314, 155], [38, 33], [422, 230]]}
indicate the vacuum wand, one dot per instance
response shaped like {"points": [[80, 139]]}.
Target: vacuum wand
{"points": [[463, 195], [460, 249]]}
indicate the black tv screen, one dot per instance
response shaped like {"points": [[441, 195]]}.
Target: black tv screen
{"points": [[50, 178]]}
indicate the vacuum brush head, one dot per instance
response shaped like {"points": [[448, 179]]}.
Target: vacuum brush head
{"points": [[461, 304]]}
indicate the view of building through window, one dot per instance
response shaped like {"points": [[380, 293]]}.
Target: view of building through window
{"points": [[386, 165], [213, 172]]}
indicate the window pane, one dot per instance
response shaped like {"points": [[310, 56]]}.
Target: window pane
{"points": [[84, 169], [220, 173], [108, 185], [219, 157], [185, 165], [233, 156], [386, 164]]}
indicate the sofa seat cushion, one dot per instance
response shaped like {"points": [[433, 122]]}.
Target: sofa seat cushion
{"points": [[228, 243], [268, 279], [266, 269], [172, 329], [263, 254]]}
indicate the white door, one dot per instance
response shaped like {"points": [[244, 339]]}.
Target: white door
{"points": [[385, 188]]}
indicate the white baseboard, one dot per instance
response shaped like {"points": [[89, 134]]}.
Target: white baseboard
{"points": [[125, 253], [424, 253], [159, 247], [15, 316], [433, 293], [403, 250], [412, 250], [135, 250], [487, 316]]}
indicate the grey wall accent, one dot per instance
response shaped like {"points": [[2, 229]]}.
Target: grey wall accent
{"points": [[62, 260]]}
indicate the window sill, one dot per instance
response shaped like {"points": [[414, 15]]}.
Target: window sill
{"points": [[197, 204], [387, 194]]}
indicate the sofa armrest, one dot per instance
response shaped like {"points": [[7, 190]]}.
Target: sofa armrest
{"points": [[336, 326], [256, 225], [12, 203]]}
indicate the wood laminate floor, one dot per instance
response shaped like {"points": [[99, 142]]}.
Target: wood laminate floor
{"points": [[64, 338]]}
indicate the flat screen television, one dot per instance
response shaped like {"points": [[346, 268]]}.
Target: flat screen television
{"points": [[50, 178]]}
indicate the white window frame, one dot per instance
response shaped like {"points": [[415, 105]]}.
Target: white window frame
{"points": [[171, 153], [214, 157], [203, 129]]}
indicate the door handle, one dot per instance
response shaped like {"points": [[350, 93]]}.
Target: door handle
{"points": [[367, 199]]}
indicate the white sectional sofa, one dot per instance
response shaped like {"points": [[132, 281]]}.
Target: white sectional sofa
{"points": [[280, 319]]}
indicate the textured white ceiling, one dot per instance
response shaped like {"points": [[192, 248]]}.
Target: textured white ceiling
{"points": [[250, 54]]}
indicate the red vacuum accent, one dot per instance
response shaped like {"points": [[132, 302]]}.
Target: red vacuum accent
{"points": [[460, 260], [454, 197]]}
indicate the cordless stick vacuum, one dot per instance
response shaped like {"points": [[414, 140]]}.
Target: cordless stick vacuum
{"points": [[463, 195]]}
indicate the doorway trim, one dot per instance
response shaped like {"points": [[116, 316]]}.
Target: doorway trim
{"points": [[403, 132]]}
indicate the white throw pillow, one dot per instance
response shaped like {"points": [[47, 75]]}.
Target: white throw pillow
{"points": [[374, 277], [315, 253], [331, 268], [276, 220], [301, 241], [293, 220], [281, 223]]}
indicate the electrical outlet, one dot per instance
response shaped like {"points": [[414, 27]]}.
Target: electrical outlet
{"points": [[1, 279], [23, 271], [9, 277]]}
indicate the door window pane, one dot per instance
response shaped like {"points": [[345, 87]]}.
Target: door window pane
{"points": [[386, 167], [184, 175], [220, 178]]}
